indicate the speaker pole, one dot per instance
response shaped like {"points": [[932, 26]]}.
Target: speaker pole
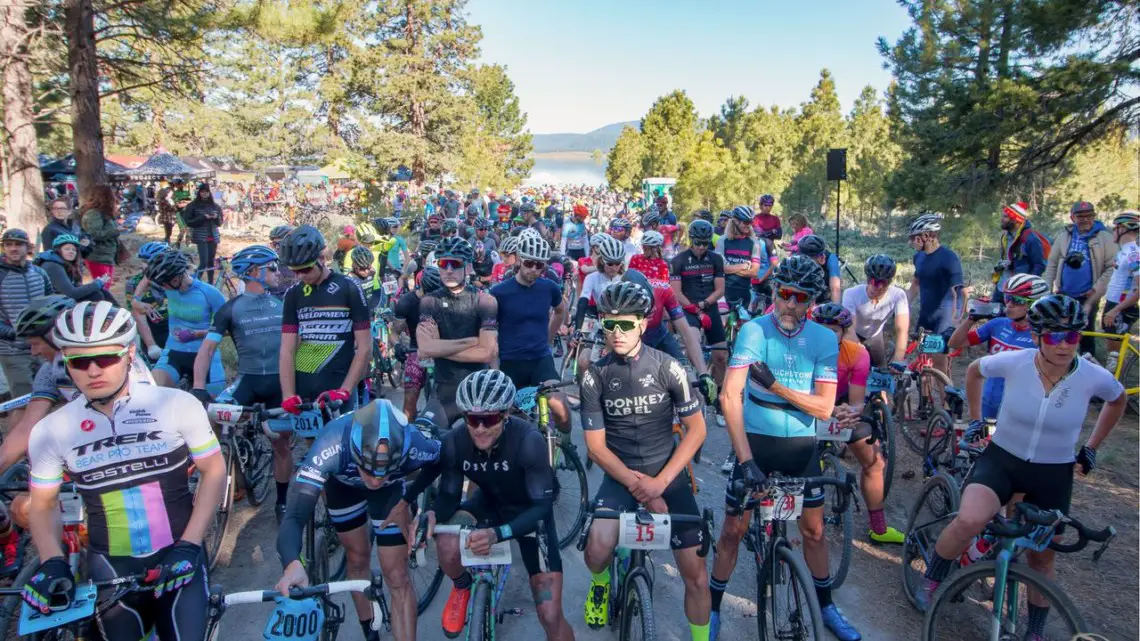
{"points": [[838, 189]]}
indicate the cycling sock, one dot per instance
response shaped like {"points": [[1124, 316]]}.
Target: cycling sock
{"points": [[878, 521], [823, 590], [282, 490], [600, 578], [1037, 615], [716, 589], [700, 632], [463, 582], [938, 567]]}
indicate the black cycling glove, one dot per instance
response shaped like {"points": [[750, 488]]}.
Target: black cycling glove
{"points": [[1086, 458], [179, 565], [760, 373], [751, 473], [53, 578], [203, 396]]}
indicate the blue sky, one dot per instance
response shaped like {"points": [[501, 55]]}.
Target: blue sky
{"points": [[581, 64]]}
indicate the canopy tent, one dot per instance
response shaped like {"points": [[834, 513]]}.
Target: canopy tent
{"points": [[224, 170], [312, 177], [335, 170], [166, 165], [63, 170]]}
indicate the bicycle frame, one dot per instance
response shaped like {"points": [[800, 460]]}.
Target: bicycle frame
{"points": [[1128, 346]]}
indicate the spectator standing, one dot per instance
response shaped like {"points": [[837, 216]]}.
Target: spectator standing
{"points": [[61, 223], [100, 210], [203, 216], [20, 282], [1080, 263]]}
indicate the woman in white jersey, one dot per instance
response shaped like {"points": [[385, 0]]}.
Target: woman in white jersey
{"points": [[1031, 452]]}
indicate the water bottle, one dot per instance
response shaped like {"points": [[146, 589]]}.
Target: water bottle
{"points": [[977, 550], [623, 561]]}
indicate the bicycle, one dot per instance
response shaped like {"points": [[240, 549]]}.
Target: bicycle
{"points": [[74, 619], [384, 364], [305, 613], [586, 338], [782, 576], [737, 316], [632, 569], [1127, 365], [954, 614], [915, 399], [225, 280], [839, 525], [877, 409]]}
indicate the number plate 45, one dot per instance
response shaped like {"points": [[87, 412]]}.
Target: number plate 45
{"points": [[644, 536]]}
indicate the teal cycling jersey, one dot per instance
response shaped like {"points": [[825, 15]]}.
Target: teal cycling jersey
{"points": [[192, 309], [798, 361]]}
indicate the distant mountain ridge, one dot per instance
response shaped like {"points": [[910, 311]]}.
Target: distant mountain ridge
{"points": [[602, 139]]}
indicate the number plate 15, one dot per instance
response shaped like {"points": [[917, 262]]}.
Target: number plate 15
{"points": [[644, 536]]}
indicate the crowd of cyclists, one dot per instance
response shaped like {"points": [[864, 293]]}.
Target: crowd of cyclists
{"points": [[485, 292]]}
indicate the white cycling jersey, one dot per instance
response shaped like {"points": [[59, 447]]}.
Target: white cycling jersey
{"points": [[594, 284], [1039, 428], [872, 316]]}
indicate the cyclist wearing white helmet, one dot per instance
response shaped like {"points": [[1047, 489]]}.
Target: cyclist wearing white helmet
{"points": [[937, 280]]}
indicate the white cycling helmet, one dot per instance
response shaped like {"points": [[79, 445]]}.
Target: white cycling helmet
{"points": [[533, 247], [484, 392], [510, 245], [611, 250], [94, 325], [598, 239], [652, 239], [925, 223]]}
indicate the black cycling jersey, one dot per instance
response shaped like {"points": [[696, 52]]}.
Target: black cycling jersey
{"points": [[697, 275], [482, 268], [407, 309], [254, 322], [514, 476], [324, 318], [461, 315], [633, 400]]}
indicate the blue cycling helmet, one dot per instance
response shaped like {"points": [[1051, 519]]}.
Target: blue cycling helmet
{"points": [[149, 250], [250, 257], [65, 239], [376, 444]]}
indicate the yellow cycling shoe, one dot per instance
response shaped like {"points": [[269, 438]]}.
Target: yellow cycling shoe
{"points": [[890, 536], [598, 605]]}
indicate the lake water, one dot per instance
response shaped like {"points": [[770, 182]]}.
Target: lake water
{"points": [[565, 169]]}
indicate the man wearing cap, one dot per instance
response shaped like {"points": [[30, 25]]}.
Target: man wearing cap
{"points": [[1021, 249], [20, 282], [1080, 262]]}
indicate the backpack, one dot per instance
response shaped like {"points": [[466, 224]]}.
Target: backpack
{"points": [[1046, 243]]}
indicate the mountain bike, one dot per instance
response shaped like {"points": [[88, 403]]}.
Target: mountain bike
{"points": [[305, 613], [632, 569], [1127, 369], [998, 579], [571, 492], [787, 607]]}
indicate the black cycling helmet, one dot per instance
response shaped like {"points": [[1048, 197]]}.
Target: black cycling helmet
{"points": [[482, 223], [800, 272], [743, 213], [279, 232], [430, 280], [361, 257], [704, 214], [880, 267], [637, 278], [426, 247], [455, 247], [167, 266], [812, 246], [528, 208], [38, 318], [449, 226], [650, 218], [1056, 313], [832, 314], [302, 247], [625, 298], [700, 230]]}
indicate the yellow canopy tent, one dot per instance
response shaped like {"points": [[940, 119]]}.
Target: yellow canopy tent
{"points": [[335, 170]]}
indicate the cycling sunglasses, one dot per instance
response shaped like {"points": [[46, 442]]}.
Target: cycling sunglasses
{"points": [[701, 243], [793, 294], [449, 263], [612, 324], [102, 359], [304, 269], [272, 267], [615, 264], [534, 264], [1071, 337], [1017, 300], [485, 421]]}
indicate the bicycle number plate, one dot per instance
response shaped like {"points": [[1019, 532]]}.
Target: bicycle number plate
{"points": [[880, 382], [300, 620], [830, 430], [308, 424], [781, 507], [1038, 539], [224, 414], [71, 508], [390, 286], [933, 344], [644, 536], [82, 607], [500, 553]]}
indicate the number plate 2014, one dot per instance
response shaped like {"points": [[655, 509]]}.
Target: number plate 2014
{"points": [[644, 536], [831, 431], [308, 424]]}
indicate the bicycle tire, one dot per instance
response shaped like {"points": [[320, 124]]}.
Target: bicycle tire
{"points": [[1130, 378], [937, 449], [481, 623], [426, 588], [259, 468], [798, 575], [638, 606], [1061, 606], [940, 493], [319, 567], [841, 525], [882, 414], [911, 434], [571, 464], [10, 605], [216, 531]]}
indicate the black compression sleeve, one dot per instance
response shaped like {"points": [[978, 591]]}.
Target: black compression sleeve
{"points": [[299, 506], [426, 477], [580, 312], [447, 501], [539, 482]]}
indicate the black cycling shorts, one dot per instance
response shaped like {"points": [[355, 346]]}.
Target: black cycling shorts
{"points": [[1124, 319], [248, 389], [530, 373], [1049, 486], [678, 497], [351, 507], [797, 457], [539, 549], [176, 615], [714, 335], [575, 254]]}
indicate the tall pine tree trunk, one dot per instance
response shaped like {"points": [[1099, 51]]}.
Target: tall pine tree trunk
{"points": [[86, 124], [24, 196]]}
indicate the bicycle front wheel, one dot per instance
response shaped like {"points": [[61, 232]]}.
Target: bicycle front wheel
{"points": [[880, 413], [932, 511], [481, 623], [423, 566], [1130, 377], [216, 529], [571, 494], [788, 609], [839, 527], [937, 450], [258, 467], [963, 607], [637, 612]]}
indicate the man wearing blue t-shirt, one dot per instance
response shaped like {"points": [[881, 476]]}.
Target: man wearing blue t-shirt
{"points": [[531, 307], [937, 281]]}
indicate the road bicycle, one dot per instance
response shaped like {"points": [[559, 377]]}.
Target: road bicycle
{"points": [[632, 570], [571, 491], [787, 607], [587, 338], [490, 579], [877, 409], [1127, 369], [305, 614], [988, 599], [922, 387]]}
